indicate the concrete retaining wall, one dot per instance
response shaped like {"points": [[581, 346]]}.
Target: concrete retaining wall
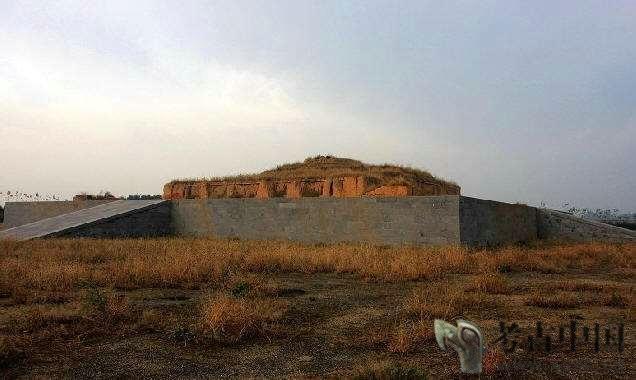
{"points": [[413, 220], [153, 221], [19, 213], [558, 225], [486, 223], [418, 220]]}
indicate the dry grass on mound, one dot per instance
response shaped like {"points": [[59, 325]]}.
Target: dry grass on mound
{"points": [[328, 166]]}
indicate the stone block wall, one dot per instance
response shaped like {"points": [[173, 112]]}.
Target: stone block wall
{"points": [[490, 223], [418, 220], [435, 220], [19, 213], [389, 220]]}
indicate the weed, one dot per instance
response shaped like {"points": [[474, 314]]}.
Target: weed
{"points": [[231, 320], [102, 305], [240, 289], [616, 300], [94, 301]]}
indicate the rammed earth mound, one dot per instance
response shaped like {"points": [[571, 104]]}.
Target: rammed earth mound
{"points": [[321, 176]]}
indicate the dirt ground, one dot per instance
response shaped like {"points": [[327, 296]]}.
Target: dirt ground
{"points": [[332, 328], [334, 325]]}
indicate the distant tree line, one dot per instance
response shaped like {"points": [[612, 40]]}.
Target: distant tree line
{"points": [[107, 195], [18, 196], [609, 216]]}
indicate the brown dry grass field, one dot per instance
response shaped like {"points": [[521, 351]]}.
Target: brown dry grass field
{"points": [[228, 308]]}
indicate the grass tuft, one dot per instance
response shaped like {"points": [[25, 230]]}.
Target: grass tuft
{"points": [[491, 283], [230, 320], [616, 300], [409, 336]]}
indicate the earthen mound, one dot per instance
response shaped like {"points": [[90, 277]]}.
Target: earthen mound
{"points": [[321, 176]]}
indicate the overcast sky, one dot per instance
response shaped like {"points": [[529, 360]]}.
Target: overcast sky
{"points": [[524, 101]]}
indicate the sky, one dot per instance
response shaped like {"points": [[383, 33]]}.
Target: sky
{"points": [[531, 102]]}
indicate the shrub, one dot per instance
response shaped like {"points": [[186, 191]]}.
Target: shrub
{"points": [[99, 304]]}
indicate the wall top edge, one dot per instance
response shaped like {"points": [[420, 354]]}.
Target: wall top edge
{"points": [[319, 199], [58, 202], [495, 201]]}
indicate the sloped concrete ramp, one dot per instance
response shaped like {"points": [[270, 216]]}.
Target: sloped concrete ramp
{"points": [[558, 225], [118, 218]]}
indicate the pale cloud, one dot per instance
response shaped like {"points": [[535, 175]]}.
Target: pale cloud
{"points": [[73, 85], [67, 111], [521, 102]]}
